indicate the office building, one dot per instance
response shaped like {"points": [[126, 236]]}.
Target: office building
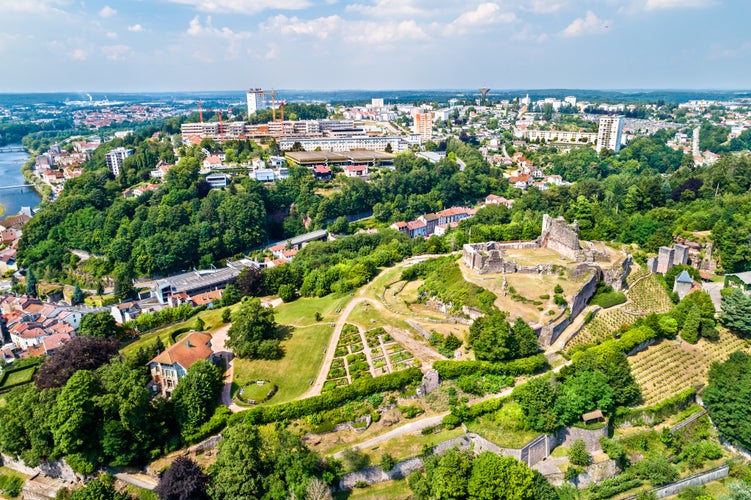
{"points": [[115, 158], [609, 133], [257, 101]]}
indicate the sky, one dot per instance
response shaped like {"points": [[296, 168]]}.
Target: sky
{"points": [[174, 45]]}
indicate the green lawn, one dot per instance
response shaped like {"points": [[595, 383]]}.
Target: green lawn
{"points": [[389, 490], [292, 374], [18, 377], [302, 311]]}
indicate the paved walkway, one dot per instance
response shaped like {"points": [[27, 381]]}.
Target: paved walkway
{"points": [[218, 342], [713, 289]]}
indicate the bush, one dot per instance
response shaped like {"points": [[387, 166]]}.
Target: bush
{"points": [[287, 292], [523, 366], [354, 459], [451, 421], [578, 454], [333, 399], [227, 315], [387, 462], [558, 288], [606, 300]]}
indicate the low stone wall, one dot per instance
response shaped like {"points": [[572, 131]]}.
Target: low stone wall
{"points": [[430, 382], [695, 480]]}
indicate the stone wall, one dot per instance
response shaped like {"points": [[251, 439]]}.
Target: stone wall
{"points": [[597, 473], [430, 382], [58, 469], [695, 480], [560, 236], [538, 450], [591, 438], [549, 333]]}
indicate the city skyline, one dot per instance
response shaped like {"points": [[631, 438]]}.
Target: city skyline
{"points": [[59, 45]]}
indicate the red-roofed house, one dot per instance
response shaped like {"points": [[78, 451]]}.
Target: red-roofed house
{"points": [[356, 170], [173, 364]]}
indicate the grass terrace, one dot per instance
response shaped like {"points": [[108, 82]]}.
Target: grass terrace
{"points": [[303, 358]]}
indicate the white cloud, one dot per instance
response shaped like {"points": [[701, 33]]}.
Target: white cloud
{"points": [[115, 52], [320, 27], [107, 11], [243, 6], [197, 29], [388, 8], [484, 15], [135, 28], [544, 6], [111, 35], [78, 55], [32, 6], [375, 35], [590, 24], [678, 4]]}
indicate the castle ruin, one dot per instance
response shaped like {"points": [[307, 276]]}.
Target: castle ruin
{"points": [[556, 234]]}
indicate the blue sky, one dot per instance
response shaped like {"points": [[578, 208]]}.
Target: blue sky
{"points": [[153, 45]]}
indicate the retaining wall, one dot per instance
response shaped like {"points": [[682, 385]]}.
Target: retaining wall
{"points": [[58, 469], [695, 480], [591, 438]]}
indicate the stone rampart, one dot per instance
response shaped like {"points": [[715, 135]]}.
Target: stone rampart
{"points": [[560, 236], [591, 437], [58, 469]]}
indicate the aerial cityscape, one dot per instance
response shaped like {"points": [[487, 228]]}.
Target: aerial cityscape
{"points": [[375, 250]]}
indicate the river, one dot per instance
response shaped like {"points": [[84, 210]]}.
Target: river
{"points": [[12, 199]]}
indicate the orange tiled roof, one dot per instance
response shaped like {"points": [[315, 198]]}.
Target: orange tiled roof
{"points": [[187, 351]]}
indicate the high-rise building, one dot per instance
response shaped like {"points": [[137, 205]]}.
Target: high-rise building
{"points": [[424, 124], [376, 103], [256, 101], [115, 159], [609, 133]]}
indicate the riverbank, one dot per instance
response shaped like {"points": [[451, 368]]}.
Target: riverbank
{"points": [[13, 166]]}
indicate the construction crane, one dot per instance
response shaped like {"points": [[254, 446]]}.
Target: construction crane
{"points": [[200, 111], [273, 101], [281, 108]]}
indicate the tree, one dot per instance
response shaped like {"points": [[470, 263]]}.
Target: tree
{"points": [[493, 339], [584, 391], [736, 311], [494, 476], [232, 295], [318, 490], [726, 397], [287, 292], [184, 480], [101, 325], [31, 283], [75, 420], [196, 395], [251, 324], [451, 476], [578, 454], [277, 465], [387, 462], [25, 427], [227, 315], [690, 330], [77, 297], [81, 353], [537, 399], [250, 282]]}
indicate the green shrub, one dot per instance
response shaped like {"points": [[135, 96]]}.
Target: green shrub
{"points": [[606, 300], [451, 421], [523, 366]]}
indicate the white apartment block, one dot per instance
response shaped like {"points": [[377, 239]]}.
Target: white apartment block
{"points": [[342, 144], [556, 136], [609, 133], [257, 101], [114, 159]]}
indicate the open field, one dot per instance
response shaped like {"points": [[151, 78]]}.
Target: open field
{"points": [[667, 368], [303, 357], [302, 311]]}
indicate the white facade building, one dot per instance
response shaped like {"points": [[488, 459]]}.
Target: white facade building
{"points": [[115, 158], [256, 101], [609, 133]]}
